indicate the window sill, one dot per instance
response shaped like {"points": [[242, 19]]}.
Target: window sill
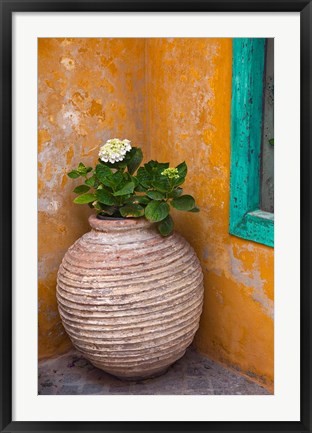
{"points": [[257, 226]]}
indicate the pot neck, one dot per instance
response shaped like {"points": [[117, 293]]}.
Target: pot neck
{"points": [[119, 225]]}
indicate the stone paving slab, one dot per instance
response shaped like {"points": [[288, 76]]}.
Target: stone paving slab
{"points": [[194, 374]]}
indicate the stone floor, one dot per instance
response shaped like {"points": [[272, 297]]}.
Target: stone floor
{"points": [[193, 374]]}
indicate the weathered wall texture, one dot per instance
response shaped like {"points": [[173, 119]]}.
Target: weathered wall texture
{"points": [[172, 97], [90, 90], [189, 98]]}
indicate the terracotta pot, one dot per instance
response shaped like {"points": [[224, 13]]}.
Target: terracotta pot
{"points": [[130, 299]]}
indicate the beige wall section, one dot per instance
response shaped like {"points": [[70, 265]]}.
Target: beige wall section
{"points": [[172, 97], [90, 90]]}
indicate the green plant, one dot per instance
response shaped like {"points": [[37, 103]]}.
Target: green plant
{"points": [[119, 187]]}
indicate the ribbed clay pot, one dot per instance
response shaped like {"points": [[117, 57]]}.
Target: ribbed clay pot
{"points": [[130, 299]]}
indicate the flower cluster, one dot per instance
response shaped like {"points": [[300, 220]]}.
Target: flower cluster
{"points": [[114, 150], [119, 187], [171, 173]]}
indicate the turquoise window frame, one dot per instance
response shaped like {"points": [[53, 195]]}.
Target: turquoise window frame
{"points": [[247, 220]]}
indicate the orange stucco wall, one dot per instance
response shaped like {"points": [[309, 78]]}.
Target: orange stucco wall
{"points": [[171, 97], [90, 90]]}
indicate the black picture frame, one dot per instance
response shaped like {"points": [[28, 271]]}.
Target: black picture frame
{"points": [[8, 7]]}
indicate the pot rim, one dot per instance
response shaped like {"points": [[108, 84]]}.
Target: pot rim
{"points": [[118, 224], [109, 218]]}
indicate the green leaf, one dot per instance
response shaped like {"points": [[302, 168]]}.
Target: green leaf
{"points": [[108, 210], [117, 180], [138, 199], [135, 181], [85, 198], [182, 169], [73, 174], [83, 170], [136, 157], [195, 209], [150, 176], [150, 166], [104, 174], [126, 189], [132, 210], [185, 202], [162, 184], [140, 188], [176, 193], [271, 141], [178, 181], [81, 189], [105, 197], [155, 195], [155, 168], [156, 211], [91, 181], [165, 227], [144, 177]]}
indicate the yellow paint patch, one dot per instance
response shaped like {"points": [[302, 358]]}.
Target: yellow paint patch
{"points": [[109, 64], [48, 171], [195, 74], [43, 138], [207, 135], [64, 180], [51, 333], [40, 186], [69, 155], [97, 109]]}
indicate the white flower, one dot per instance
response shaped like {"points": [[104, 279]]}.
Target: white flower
{"points": [[114, 150]]}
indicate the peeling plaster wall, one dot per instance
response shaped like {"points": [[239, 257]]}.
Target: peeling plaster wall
{"points": [[90, 90], [189, 98], [172, 97]]}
